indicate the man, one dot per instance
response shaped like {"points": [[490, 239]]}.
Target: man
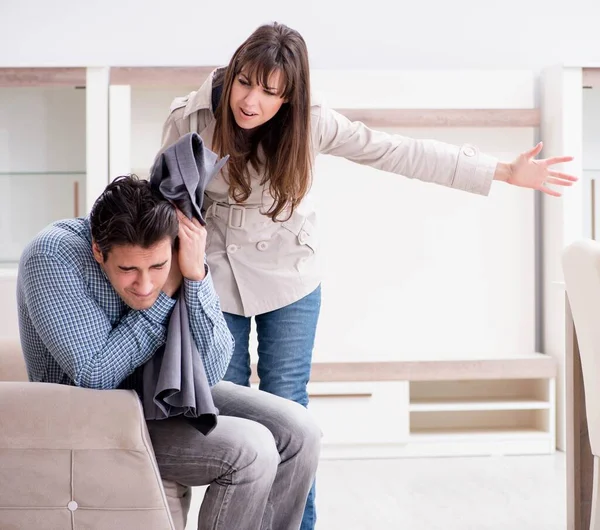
{"points": [[94, 299]]}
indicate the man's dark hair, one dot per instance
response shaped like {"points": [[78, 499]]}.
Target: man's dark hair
{"points": [[130, 212]]}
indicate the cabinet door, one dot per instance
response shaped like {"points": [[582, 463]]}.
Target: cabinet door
{"points": [[42, 162], [361, 413], [31, 201]]}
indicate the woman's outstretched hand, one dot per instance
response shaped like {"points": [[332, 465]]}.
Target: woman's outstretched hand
{"points": [[527, 172]]}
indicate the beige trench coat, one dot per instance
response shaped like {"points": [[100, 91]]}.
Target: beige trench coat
{"points": [[259, 265]]}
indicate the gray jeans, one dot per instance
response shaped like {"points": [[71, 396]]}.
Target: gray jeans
{"points": [[259, 462]]}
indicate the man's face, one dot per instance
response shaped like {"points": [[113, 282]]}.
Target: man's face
{"points": [[137, 274]]}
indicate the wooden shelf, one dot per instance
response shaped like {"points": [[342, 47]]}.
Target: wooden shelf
{"points": [[39, 173], [534, 366], [119, 75], [425, 435], [42, 77], [436, 405], [160, 76], [444, 117]]}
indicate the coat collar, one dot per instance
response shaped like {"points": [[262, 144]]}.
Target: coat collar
{"points": [[201, 99]]}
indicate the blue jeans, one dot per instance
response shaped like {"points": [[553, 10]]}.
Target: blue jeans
{"points": [[286, 338]]}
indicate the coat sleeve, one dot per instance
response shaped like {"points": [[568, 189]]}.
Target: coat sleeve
{"points": [[463, 168]]}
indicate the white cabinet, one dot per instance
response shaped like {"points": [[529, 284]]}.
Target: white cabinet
{"points": [[351, 413], [482, 417], [449, 408], [42, 162], [31, 201]]}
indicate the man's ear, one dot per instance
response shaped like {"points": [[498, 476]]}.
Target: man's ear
{"points": [[97, 253]]}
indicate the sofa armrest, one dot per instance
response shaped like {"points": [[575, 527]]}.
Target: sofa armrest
{"points": [[52, 416], [77, 458]]}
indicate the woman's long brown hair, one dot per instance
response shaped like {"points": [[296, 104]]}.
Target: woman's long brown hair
{"points": [[285, 138]]}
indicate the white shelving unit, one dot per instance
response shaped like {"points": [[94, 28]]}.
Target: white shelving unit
{"points": [[395, 407], [429, 408], [42, 161]]}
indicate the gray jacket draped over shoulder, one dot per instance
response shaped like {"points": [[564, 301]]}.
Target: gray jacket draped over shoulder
{"points": [[174, 379]]}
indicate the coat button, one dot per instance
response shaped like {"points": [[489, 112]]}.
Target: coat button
{"points": [[72, 506], [262, 246], [469, 151], [302, 237], [231, 249]]}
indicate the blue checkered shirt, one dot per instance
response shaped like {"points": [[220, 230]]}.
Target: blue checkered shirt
{"points": [[76, 330]]}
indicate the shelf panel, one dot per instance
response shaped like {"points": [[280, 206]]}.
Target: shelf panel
{"points": [[42, 77], [445, 117], [526, 366], [435, 435], [436, 405], [591, 77], [40, 173], [160, 76]]}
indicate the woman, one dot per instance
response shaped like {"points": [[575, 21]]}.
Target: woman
{"points": [[261, 243]]}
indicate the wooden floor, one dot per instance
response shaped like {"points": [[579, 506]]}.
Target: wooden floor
{"points": [[478, 493]]}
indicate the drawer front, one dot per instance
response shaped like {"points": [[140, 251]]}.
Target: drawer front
{"points": [[361, 413]]}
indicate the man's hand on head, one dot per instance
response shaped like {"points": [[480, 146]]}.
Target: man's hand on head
{"points": [[192, 246]]}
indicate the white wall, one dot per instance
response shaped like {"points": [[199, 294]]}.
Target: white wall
{"points": [[415, 271], [445, 273], [381, 34]]}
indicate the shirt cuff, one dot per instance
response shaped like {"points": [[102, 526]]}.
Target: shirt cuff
{"points": [[161, 310], [474, 171], [202, 292]]}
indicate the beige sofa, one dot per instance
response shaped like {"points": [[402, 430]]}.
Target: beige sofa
{"points": [[74, 458]]}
